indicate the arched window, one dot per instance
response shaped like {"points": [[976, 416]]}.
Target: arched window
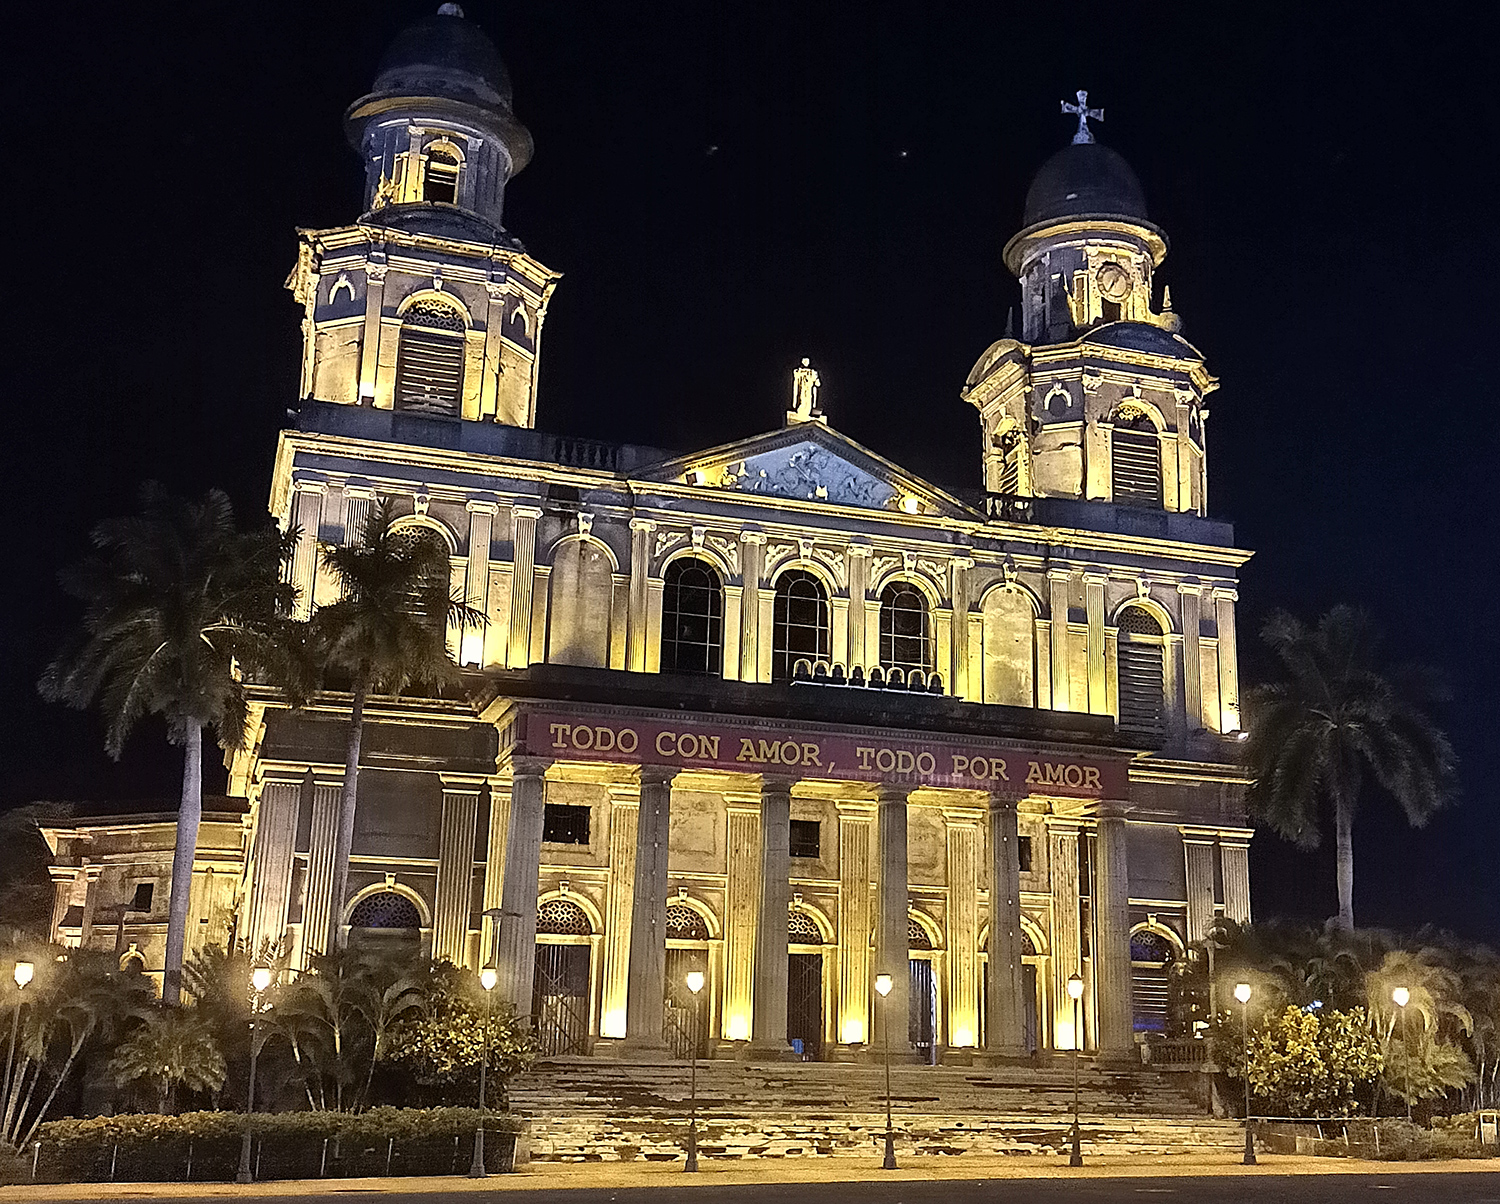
{"points": [[802, 929], [440, 183], [1142, 673], [1151, 955], [430, 359], [1135, 459], [905, 633], [692, 619], [562, 917], [800, 622], [386, 909]]}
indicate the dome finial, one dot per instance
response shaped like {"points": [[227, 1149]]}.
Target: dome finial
{"points": [[1084, 134]]}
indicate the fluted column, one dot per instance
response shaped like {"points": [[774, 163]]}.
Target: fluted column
{"points": [[752, 548], [768, 1029], [962, 936], [624, 812], [454, 896], [1005, 1025], [1198, 855], [1113, 1003], [637, 616], [357, 506], [522, 579], [496, 840], [477, 577], [1057, 612], [272, 856], [741, 916], [856, 819], [859, 584], [645, 997], [892, 947], [1067, 959], [515, 943], [1093, 598], [1234, 859], [1192, 654], [320, 908], [1229, 665], [958, 661], [307, 517]]}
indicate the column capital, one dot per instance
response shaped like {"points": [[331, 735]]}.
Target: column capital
{"points": [[364, 492], [888, 793], [463, 782], [481, 506], [1236, 838], [1055, 574], [642, 524], [304, 485], [528, 767], [1191, 586], [1096, 577], [855, 808], [772, 784], [961, 563], [860, 547], [658, 775], [1193, 835], [742, 804], [1002, 802], [1225, 594], [1063, 825], [531, 512]]}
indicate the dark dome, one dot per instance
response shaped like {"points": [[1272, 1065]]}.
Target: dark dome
{"points": [[1140, 336], [445, 55], [1084, 178]]}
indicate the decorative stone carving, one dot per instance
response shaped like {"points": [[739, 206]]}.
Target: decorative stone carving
{"points": [[775, 554], [932, 568], [836, 565], [698, 534], [807, 471], [727, 548], [585, 524], [880, 565], [342, 282], [667, 539]]}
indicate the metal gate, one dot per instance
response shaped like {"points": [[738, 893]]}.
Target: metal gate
{"points": [[804, 1005], [1028, 1007], [922, 1019], [682, 1027], [560, 1000]]}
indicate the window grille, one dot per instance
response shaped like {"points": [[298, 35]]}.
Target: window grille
{"points": [[692, 619], [562, 917], [916, 935], [802, 929], [430, 360], [905, 633], [386, 909], [1135, 460], [1151, 948], [1150, 986], [686, 923], [800, 622], [1142, 677]]}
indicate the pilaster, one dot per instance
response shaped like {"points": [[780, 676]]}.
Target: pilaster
{"points": [[477, 576], [494, 870], [1093, 596], [1057, 612], [321, 912], [1234, 862], [1198, 854], [741, 915], [454, 896], [752, 547], [307, 517], [369, 351], [856, 819], [636, 623], [962, 937], [273, 853], [357, 506], [958, 670], [1190, 596], [1229, 665], [523, 565], [859, 587]]}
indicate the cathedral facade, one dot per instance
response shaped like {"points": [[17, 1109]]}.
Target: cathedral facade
{"points": [[777, 710]]}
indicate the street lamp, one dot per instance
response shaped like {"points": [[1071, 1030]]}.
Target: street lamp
{"points": [[883, 986], [25, 971], [694, 984], [1401, 997], [488, 977], [1075, 993], [1242, 993], [260, 979]]}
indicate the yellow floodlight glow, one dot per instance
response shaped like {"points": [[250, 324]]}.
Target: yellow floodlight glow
{"points": [[852, 1032]]}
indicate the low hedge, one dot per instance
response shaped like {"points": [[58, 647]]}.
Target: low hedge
{"points": [[205, 1146]]}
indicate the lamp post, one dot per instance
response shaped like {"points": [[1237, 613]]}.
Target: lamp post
{"points": [[25, 971], [488, 977], [1075, 993], [1401, 997], [1242, 993], [694, 984], [260, 979], [883, 986]]}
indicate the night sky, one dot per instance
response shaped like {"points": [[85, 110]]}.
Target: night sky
{"points": [[727, 188]]}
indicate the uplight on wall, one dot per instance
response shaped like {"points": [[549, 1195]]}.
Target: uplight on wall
{"points": [[852, 1032], [739, 1027], [911, 504], [613, 1023]]}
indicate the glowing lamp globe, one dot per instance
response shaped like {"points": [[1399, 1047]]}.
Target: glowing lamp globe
{"points": [[1400, 997], [883, 984], [1242, 992], [1075, 988], [260, 978], [488, 977], [25, 972], [695, 981]]}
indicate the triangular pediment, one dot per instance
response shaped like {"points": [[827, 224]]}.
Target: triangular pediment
{"points": [[806, 462]]}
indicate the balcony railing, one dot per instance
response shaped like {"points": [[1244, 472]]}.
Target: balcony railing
{"points": [[807, 672]]}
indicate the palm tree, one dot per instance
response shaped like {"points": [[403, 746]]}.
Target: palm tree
{"points": [[1336, 722], [178, 602], [173, 1048], [387, 631]]}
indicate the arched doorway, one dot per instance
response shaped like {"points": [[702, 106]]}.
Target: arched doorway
{"points": [[1152, 953], [560, 985], [684, 1029], [385, 922], [922, 1019], [1031, 1009], [804, 985]]}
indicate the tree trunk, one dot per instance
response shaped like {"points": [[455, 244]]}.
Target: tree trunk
{"points": [[188, 816], [1344, 824], [345, 840]]}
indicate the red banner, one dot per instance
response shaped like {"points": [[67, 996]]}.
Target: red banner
{"points": [[780, 751]]}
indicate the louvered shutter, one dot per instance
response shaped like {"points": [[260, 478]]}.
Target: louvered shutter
{"points": [[1136, 464], [1141, 688], [430, 361]]}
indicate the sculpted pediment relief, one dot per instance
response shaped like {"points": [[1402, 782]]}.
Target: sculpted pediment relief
{"points": [[806, 471]]}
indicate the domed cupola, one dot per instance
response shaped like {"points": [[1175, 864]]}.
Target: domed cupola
{"points": [[1087, 250], [437, 132]]}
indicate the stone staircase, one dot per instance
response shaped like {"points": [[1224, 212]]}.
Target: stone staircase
{"points": [[586, 1110]]}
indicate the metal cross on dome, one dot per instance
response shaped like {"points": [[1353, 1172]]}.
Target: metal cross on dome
{"points": [[1084, 134]]}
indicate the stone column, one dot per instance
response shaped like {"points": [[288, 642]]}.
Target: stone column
{"points": [[768, 1029], [272, 856], [454, 896], [752, 547], [494, 870], [645, 997], [523, 573], [859, 584], [958, 668], [856, 818], [1192, 655], [1067, 959], [892, 949], [1234, 860], [515, 943], [624, 811], [1057, 612], [1198, 853], [320, 909], [1006, 1022], [307, 516], [357, 506], [741, 911], [640, 565], [1113, 1004], [1093, 596], [1229, 665], [477, 577], [962, 936], [369, 351]]}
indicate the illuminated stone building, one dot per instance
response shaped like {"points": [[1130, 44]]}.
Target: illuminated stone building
{"points": [[777, 709]]}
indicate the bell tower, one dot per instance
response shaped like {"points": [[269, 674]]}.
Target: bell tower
{"points": [[427, 304], [1101, 398]]}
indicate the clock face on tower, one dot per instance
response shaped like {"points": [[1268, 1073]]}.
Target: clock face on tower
{"points": [[1114, 281]]}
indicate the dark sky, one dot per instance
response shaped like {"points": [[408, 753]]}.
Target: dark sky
{"points": [[729, 187]]}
